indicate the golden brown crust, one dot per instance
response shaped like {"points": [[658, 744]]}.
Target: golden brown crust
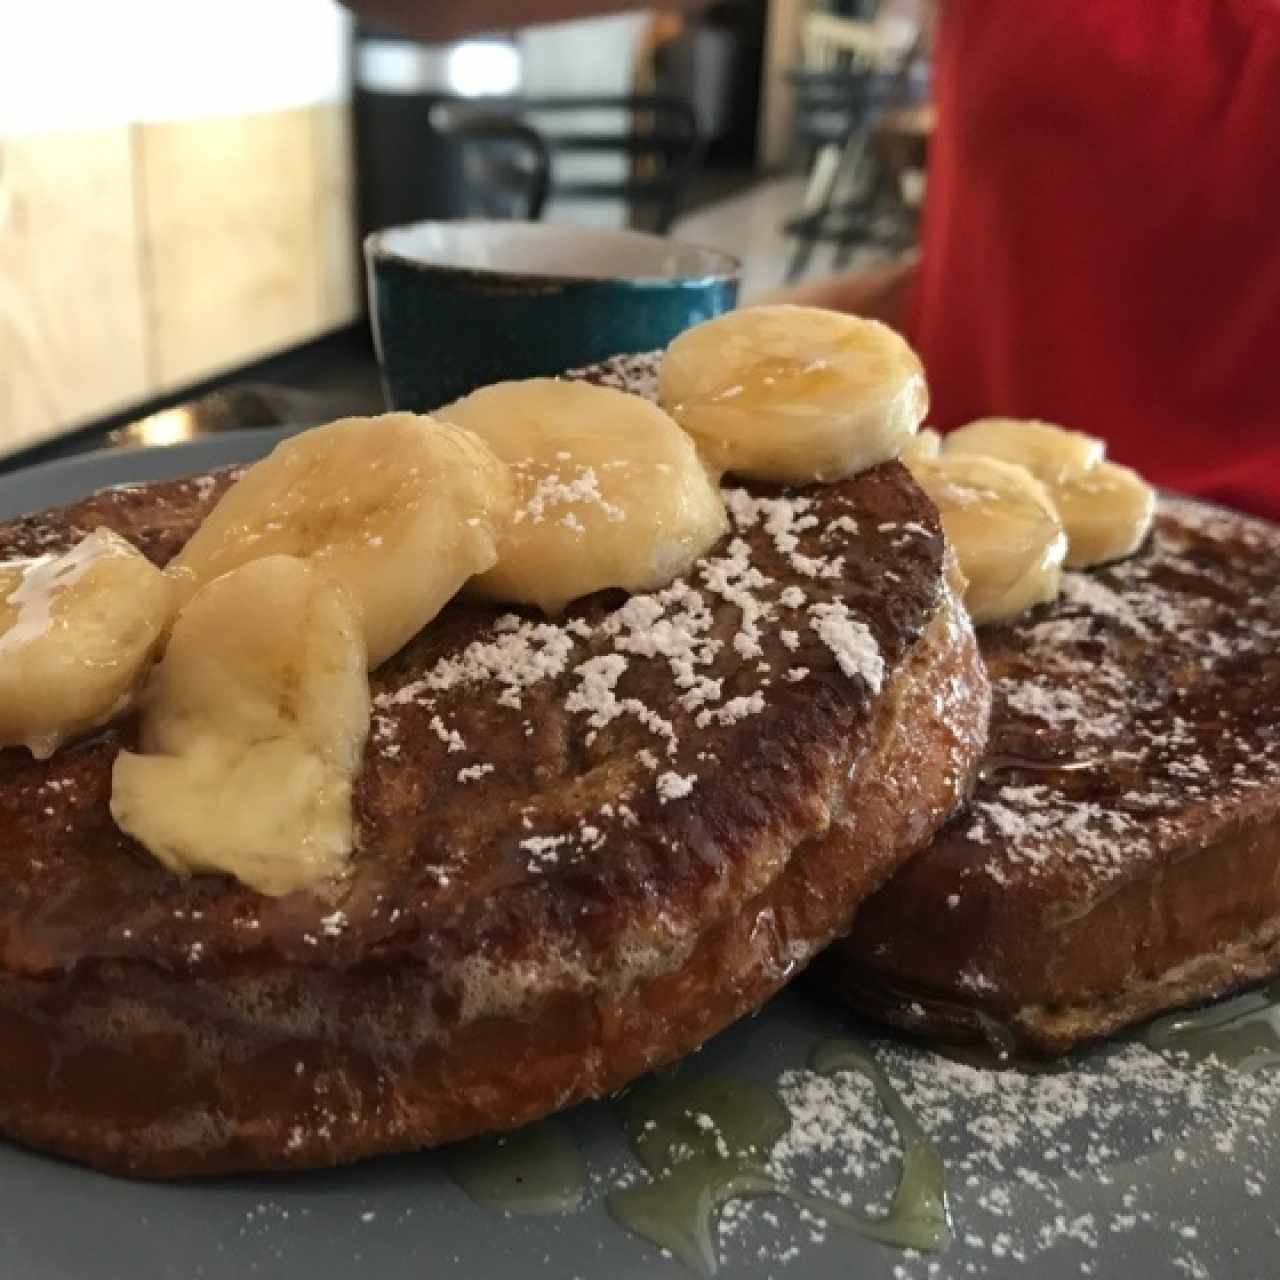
{"points": [[1066, 904], [510, 938], [565, 833], [301, 1066]]}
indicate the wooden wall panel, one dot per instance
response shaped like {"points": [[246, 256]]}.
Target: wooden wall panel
{"points": [[138, 259], [781, 52], [339, 263], [71, 304], [231, 240]]}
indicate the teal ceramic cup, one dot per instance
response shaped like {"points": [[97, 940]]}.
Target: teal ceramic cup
{"points": [[458, 305]]}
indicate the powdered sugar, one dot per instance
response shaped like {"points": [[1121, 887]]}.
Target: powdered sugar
{"points": [[851, 641], [551, 490], [1124, 708], [1059, 707], [1036, 826], [733, 710], [1073, 1159], [450, 737], [520, 654], [672, 786], [594, 696], [1120, 1161], [603, 666], [785, 519]]}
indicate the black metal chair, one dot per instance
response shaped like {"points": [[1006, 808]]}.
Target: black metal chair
{"points": [[856, 70], [506, 166], [836, 113], [658, 137]]}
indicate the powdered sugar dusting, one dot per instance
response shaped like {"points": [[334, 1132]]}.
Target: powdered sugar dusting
{"points": [[552, 490], [850, 640], [776, 630], [766, 610], [613, 716], [1119, 1161], [521, 653], [1140, 696], [672, 786], [1067, 1161]]}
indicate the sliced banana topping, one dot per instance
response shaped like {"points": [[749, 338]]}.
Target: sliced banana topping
{"points": [[1107, 512], [1106, 509], [794, 394], [252, 731], [1006, 533], [925, 444], [399, 510], [76, 632], [611, 493], [1052, 454]]}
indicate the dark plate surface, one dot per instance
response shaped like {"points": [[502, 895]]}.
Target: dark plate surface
{"points": [[1120, 1163]]}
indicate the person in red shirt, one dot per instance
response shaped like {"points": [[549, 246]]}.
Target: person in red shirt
{"points": [[1101, 234]]}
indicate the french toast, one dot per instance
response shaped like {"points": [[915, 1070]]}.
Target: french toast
{"points": [[585, 845], [1121, 854]]}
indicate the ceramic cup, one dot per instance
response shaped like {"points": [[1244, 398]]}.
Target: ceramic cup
{"points": [[457, 305]]}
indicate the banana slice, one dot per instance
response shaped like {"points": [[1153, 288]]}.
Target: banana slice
{"points": [[1006, 533], [252, 731], [923, 446], [76, 632], [1052, 454], [1106, 509], [794, 394], [611, 492], [399, 510], [1107, 512]]}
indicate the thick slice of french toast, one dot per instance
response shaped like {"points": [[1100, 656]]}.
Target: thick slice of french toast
{"points": [[1122, 852], [584, 846]]}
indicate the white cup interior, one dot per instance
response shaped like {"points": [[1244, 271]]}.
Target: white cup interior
{"points": [[534, 249]]}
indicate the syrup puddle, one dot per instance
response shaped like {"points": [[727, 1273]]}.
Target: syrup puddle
{"points": [[1243, 1033], [536, 1169], [705, 1141]]}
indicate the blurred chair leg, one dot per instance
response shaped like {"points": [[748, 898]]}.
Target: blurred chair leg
{"points": [[800, 255], [859, 213], [822, 181], [820, 191]]}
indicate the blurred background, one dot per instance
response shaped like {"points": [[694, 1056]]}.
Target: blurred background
{"points": [[184, 188]]}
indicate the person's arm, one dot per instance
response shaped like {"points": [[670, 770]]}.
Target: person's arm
{"points": [[437, 20], [878, 292]]}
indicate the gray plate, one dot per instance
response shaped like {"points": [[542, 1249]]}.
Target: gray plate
{"points": [[1120, 1164], [50, 484]]}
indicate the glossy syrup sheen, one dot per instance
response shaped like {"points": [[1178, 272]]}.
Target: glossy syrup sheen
{"points": [[764, 380], [536, 1169], [994, 765], [705, 1140], [1243, 1033]]}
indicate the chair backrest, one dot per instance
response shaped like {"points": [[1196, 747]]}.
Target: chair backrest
{"points": [[830, 106], [852, 72], [655, 135], [506, 166], [830, 42]]}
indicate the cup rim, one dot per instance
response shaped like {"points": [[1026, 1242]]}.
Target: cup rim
{"points": [[376, 250]]}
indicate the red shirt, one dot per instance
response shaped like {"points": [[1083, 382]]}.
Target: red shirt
{"points": [[1101, 243]]}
